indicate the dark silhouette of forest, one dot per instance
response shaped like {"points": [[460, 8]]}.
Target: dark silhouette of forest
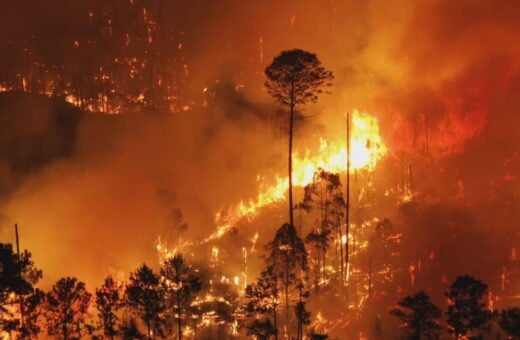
{"points": [[161, 304]]}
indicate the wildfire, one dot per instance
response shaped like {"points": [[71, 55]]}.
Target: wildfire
{"points": [[166, 252], [366, 148]]}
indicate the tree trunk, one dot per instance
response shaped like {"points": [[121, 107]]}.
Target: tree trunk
{"points": [[111, 328], [323, 214], [340, 247], [291, 123], [299, 336], [316, 272], [275, 297], [179, 325], [286, 284], [148, 329], [275, 320], [347, 201], [65, 331], [19, 263], [179, 320], [324, 264], [417, 335]]}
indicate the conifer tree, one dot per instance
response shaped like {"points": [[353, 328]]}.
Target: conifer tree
{"points": [[419, 316], [181, 286], [467, 313], [295, 78], [145, 298], [66, 309], [108, 302]]}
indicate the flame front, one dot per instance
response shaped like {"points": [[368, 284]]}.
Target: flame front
{"points": [[366, 148]]}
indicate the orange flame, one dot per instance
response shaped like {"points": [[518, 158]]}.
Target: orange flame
{"points": [[366, 148]]}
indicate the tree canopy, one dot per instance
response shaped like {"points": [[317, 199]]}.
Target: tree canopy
{"points": [[466, 312], [108, 302], [262, 304], [296, 77], [181, 286], [67, 308], [422, 317], [18, 275], [145, 298]]}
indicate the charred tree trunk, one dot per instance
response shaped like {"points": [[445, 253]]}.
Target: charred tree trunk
{"points": [[179, 320], [347, 201], [291, 123], [340, 248], [19, 274], [275, 318], [286, 285], [65, 330], [299, 335], [111, 328]]}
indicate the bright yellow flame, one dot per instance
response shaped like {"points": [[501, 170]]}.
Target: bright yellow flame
{"points": [[366, 148], [214, 254], [166, 252]]}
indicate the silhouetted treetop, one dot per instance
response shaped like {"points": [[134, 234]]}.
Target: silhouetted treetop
{"points": [[296, 77], [419, 315], [66, 308], [108, 302], [467, 312], [145, 298], [181, 286], [11, 268]]}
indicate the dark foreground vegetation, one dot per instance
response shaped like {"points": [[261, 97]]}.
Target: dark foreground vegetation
{"points": [[162, 304]]}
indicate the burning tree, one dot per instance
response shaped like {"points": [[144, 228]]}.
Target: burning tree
{"points": [[217, 307], [287, 257], [466, 312], [295, 78], [145, 297], [261, 308], [318, 240], [108, 302], [66, 308], [181, 286], [127, 55], [324, 195], [422, 320], [302, 315]]}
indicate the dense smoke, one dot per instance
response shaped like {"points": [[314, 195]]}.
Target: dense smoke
{"points": [[442, 77]]}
